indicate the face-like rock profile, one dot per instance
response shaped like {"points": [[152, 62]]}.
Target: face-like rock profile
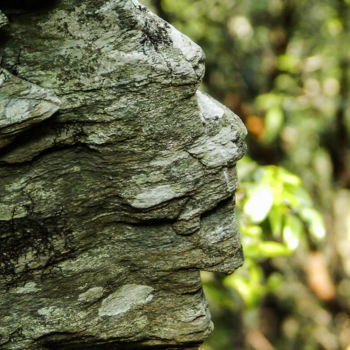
{"points": [[117, 179]]}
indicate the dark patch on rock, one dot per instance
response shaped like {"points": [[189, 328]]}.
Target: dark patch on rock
{"points": [[154, 36]]}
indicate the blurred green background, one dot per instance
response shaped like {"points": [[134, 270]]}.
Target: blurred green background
{"points": [[283, 67]]}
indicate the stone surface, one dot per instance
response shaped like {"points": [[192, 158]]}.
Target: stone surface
{"points": [[22, 105], [117, 180], [3, 19]]}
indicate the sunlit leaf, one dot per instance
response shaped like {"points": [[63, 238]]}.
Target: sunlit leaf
{"points": [[302, 197], [252, 251], [259, 204], [251, 293], [251, 230], [289, 178], [315, 222], [255, 272], [273, 124], [273, 249], [276, 220], [292, 231]]}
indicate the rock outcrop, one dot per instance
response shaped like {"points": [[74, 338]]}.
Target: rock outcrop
{"points": [[117, 179]]}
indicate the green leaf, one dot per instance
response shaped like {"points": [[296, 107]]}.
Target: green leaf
{"points": [[267, 101], [259, 204], [256, 273], [292, 231], [289, 178], [251, 230], [303, 197], [289, 63], [276, 220], [274, 281], [217, 294], [250, 292], [273, 123], [267, 249], [315, 221], [273, 249], [252, 250]]}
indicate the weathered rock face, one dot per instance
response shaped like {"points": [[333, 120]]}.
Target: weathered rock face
{"points": [[3, 20], [116, 180]]}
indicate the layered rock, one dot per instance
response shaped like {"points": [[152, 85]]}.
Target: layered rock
{"points": [[117, 179], [3, 19]]}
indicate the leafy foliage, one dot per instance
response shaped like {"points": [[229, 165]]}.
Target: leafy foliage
{"points": [[276, 215]]}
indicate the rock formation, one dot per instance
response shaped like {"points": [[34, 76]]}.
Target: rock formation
{"points": [[117, 179]]}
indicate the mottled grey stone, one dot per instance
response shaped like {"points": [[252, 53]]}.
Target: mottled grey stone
{"points": [[22, 104], [3, 19], [117, 180]]}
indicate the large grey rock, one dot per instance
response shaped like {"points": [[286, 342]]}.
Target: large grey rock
{"points": [[111, 206]]}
